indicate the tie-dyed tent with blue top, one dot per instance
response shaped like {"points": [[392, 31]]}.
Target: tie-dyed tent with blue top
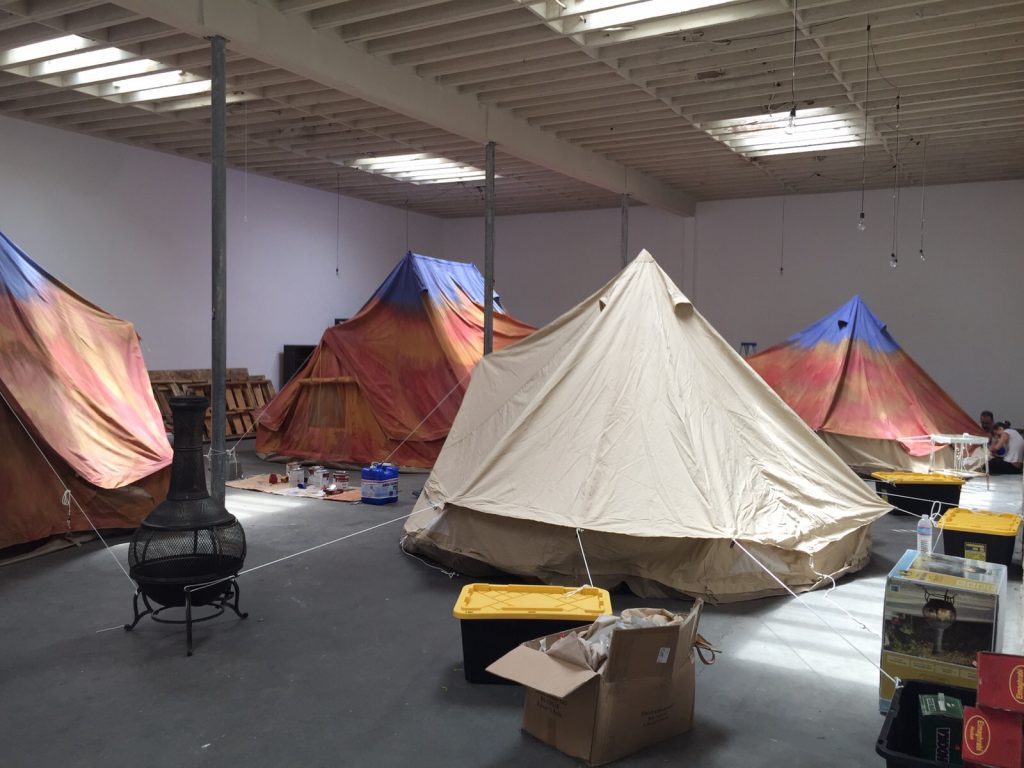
{"points": [[395, 372], [867, 398]]}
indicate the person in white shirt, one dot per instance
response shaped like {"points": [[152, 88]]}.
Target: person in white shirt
{"points": [[1007, 450]]}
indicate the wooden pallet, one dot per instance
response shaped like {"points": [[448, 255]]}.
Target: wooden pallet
{"points": [[245, 396]]}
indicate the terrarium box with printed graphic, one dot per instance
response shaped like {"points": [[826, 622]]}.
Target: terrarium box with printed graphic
{"points": [[939, 613]]}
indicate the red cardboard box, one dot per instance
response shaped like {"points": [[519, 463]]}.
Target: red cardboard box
{"points": [[1001, 681], [993, 738]]}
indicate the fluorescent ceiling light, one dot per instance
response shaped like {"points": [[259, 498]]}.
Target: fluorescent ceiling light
{"points": [[80, 61], [623, 14], [118, 72], [170, 91], [145, 82], [44, 49], [419, 168], [105, 72], [812, 130]]}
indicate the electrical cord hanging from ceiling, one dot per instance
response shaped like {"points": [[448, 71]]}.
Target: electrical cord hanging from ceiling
{"points": [[791, 125], [245, 155], [782, 240], [924, 172], [893, 257], [861, 224], [337, 234]]}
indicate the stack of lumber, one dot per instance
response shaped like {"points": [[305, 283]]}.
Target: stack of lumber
{"points": [[244, 394]]}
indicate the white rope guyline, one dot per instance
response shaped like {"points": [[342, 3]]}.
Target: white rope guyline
{"points": [[817, 615], [590, 579], [194, 587], [424, 419], [68, 497], [233, 450]]}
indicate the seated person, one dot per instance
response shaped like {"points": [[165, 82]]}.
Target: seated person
{"points": [[986, 421], [1007, 450]]}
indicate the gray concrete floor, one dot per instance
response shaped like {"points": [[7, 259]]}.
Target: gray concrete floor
{"points": [[351, 657]]}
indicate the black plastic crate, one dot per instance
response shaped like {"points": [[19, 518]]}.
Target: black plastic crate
{"points": [[923, 496], [484, 641], [998, 549], [898, 741]]}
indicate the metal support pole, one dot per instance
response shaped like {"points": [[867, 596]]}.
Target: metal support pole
{"points": [[625, 230], [219, 361], [489, 251]]}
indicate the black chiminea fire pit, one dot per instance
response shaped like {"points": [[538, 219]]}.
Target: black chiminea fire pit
{"points": [[188, 551]]}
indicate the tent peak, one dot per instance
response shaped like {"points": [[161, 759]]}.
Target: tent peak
{"points": [[645, 260]]}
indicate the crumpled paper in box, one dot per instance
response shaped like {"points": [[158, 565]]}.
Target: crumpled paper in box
{"points": [[590, 648]]}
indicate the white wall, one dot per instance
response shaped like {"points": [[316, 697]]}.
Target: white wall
{"points": [[546, 263], [957, 313], [129, 229]]}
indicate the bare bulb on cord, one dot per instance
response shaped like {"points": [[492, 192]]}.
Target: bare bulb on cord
{"points": [[893, 261], [860, 222], [791, 123], [920, 253]]}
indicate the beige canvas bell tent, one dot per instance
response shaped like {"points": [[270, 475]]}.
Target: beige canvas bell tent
{"points": [[630, 419]]}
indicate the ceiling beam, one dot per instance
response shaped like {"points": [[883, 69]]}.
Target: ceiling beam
{"points": [[288, 42]]}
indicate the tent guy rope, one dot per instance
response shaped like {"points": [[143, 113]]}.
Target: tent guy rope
{"points": [[424, 419], [68, 497], [306, 551], [817, 615]]}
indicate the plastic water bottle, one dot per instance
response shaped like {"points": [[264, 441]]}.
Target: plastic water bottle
{"points": [[924, 535]]}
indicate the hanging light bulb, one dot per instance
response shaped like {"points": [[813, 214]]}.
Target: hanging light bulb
{"points": [[861, 225], [791, 123], [920, 253], [893, 261]]}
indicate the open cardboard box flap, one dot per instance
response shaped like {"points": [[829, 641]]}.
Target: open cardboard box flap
{"points": [[634, 653], [637, 653], [643, 694], [533, 668]]}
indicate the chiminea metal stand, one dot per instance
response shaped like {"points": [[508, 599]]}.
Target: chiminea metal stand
{"points": [[188, 552], [219, 605]]}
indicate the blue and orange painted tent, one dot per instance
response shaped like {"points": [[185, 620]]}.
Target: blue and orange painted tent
{"points": [[388, 382], [77, 410], [853, 384]]}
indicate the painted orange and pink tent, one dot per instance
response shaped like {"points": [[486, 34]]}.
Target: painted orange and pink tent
{"points": [[76, 403], [867, 398], [388, 382]]}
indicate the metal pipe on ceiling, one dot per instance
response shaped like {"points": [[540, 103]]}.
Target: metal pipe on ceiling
{"points": [[219, 246], [489, 249]]}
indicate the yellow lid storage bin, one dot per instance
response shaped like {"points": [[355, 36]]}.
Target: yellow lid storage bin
{"points": [[918, 492], [528, 601], [917, 478], [980, 535], [495, 618]]}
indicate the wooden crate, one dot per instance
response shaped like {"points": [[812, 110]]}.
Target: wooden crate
{"points": [[245, 396]]}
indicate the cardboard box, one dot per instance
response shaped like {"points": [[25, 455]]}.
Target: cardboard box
{"points": [[642, 694], [940, 723], [939, 613], [1001, 681], [993, 738]]}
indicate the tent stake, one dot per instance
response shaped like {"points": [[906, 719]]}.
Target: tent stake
{"points": [[219, 330]]}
